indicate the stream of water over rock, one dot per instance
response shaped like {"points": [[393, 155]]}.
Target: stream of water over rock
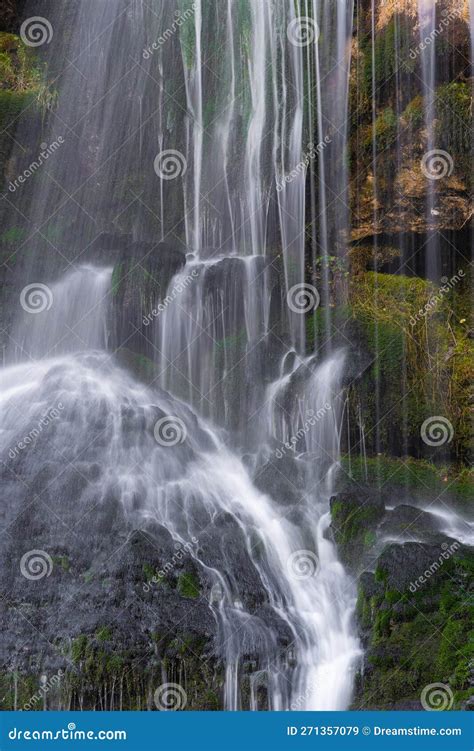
{"points": [[235, 397]]}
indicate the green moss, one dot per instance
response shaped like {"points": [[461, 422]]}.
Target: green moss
{"points": [[420, 476], [117, 277], [19, 67], [453, 110], [104, 634], [148, 571], [422, 361], [187, 33], [63, 561], [188, 585], [413, 114], [384, 130], [395, 625], [391, 44], [79, 648], [352, 525], [317, 324]]}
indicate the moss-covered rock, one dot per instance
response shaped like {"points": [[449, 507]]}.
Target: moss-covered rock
{"points": [[416, 624], [422, 361], [415, 478], [355, 515]]}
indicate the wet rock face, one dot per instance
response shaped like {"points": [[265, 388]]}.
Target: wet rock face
{"points": [[395, 187], [142, 273], [410, 522], [10, 12], [82, 535], [355, 516], [411, 590]]}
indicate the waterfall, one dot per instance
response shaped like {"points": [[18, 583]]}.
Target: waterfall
{"points": [[234, 384]]}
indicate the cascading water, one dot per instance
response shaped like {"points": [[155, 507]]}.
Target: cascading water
{"points": [[233, 378]]}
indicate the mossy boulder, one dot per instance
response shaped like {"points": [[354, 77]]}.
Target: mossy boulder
{"points": [[355, 515], [416, 625]]}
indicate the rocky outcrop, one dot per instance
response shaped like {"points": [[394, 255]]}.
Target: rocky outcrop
{"points": [[405, 178], [412, 608], [355, 516]]}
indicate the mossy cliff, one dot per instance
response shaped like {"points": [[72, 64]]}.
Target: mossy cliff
{"points": [[413, 608], [418, 337], [388, 114]]}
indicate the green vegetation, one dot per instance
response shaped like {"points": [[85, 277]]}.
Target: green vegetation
{"points": [[419, 476], [413, 115], [104, 634], [22, 73], [188, 585], [352, 523], [415, 639], [454, 112], [384, 130], [391, 45], [422, 359]]}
